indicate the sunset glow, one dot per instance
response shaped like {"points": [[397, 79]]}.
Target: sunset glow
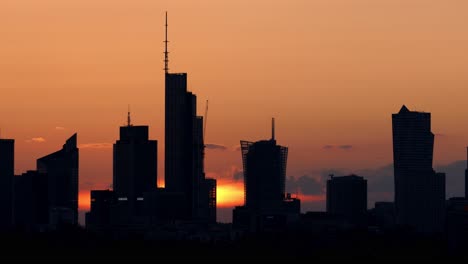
{"points": [[330, 71], [229, 195]]}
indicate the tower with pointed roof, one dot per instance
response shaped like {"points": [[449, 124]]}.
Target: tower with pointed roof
{"points": [[419, 191]]}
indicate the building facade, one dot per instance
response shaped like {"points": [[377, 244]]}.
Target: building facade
{"points": [[419, 191]]}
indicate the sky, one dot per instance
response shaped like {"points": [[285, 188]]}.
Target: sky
{"points": [[330, 71]]}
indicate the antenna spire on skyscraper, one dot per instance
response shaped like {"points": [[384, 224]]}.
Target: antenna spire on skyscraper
{"points": [[129, 122], [273, 128], [166, 53]]}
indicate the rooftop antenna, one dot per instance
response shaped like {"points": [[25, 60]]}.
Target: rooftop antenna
{"points": [[129, 123], [166, 53], [273, 128]]}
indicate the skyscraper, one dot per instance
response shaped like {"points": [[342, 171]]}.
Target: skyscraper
{"points": [[419, 191], [135, 168], [347, 197], [264, 165], [61, 168], [183, 141], [7, 166], [31, 201]]}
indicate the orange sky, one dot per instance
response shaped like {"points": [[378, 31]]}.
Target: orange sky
{"points": [[330, 71]]}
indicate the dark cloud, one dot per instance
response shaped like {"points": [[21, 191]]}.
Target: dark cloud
{"points": [[345, 147], [454, 177], [305, 184], [215, 146], [238, 175]]}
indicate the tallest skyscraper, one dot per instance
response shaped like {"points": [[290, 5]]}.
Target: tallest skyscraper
{"points": [[184, 146], [419, 191]]}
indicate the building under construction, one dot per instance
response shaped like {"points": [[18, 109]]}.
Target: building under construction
{"points": [[266, 205]]}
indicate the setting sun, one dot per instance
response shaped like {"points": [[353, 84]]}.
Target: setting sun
{"points": [[230, 194]]}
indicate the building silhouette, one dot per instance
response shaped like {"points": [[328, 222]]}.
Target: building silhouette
{"points": [[385, 215], [266, 204], [7, 166], [61, 168], [184, 144], [466, 176], [99, 217], [347, 197], [419, 191], [457, 224], [134, 173], [31, 201]]}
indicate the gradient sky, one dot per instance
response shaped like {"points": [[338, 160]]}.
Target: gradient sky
{"points": [[331, 71]]}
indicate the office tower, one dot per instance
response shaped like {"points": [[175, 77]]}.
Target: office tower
{"points": [[419, 191], [135, 168], [184, 146], [265, 204], [264, 173], [61, 168], [98, 218], [31, 201], [7, 166], [347, 197], [466, 177]]}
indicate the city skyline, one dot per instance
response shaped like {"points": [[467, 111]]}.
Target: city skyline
{"points": [[313, 112]]}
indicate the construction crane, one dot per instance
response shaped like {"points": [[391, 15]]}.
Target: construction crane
{"points": [[206, 119]]}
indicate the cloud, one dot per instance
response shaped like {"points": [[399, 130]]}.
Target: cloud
{"points": [[238, 175], [36, 140], [305, 184], [95, 146], [440, 135], [454, 177], [343, 147], [59, 128], [215, 146], [236, 148]]}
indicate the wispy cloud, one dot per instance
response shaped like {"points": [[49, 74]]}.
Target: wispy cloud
{"points": [[95, 146], [59, 128], [343, 147], [36, 140], [215, 146]]}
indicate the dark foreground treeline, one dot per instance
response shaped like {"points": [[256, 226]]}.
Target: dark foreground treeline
{"points": [[77, 244]]}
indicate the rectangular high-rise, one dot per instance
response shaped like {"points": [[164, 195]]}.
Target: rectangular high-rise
{"points": [[419, 191], [135, 168], [31, 201], [184, 146], [347, 197], [181, 175], [7, 166], [61, 168]]}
